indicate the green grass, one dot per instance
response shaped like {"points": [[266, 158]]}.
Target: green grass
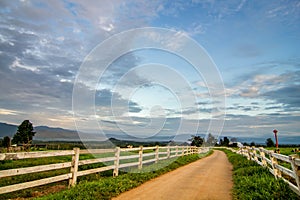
{"points": [[12, 164], [252, 181], [285, 150], [108, 187]]}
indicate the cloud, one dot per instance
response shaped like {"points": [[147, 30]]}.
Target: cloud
{"points": [[289, 96], [260, 85], [244, 108], [8, 112], [112, 104], [260, 126], [42, 45], [262, 101], [250, 92], [134, 107]]}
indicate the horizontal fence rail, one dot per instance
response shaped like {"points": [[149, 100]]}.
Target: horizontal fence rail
{"points": [[114, 159], [290, 172]]}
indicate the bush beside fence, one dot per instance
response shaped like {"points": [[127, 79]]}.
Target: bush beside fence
{"points": [[290, 172]]}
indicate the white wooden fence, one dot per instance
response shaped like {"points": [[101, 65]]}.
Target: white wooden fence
{"points": [[274, 161], [143, 155]]}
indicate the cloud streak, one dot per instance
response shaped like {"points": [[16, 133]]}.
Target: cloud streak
{"points": [[255, 44]]}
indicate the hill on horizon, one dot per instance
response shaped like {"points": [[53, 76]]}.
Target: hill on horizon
{"points": [[45, 133], [42, 132]]}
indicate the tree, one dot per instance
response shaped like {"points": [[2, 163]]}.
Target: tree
{"points": [[221, 142], [270, 142], [24, 133], [6, 142], [210, 140], [252, 144], [196, 141], [225, 141]]}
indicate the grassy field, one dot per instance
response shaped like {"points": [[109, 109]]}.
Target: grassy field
{"points": [[99, 178], [252, 181], [285, 150]]}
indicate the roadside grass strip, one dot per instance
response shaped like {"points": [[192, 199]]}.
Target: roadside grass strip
{"points": [[251, 181]]}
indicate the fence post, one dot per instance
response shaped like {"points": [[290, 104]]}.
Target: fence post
{"points": [[296, 170], [277, 172], [263, 157], [168, 152], [141, 157], [74, 167], [248, 153], [156, 153], [254, 154], [176, 152], [117, 161]]}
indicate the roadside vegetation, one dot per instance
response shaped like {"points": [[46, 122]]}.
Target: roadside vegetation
{"points": [[108, 187], [287, 150], [251, 181], [94, 186]]}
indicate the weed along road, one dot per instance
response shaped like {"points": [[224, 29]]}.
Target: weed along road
{"points": [[207, 178]]}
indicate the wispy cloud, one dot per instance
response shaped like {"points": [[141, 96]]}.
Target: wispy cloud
{"points": [[255, 44]]}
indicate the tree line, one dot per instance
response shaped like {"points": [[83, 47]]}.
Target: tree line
{"points": [[210, 140], [25, 133]]}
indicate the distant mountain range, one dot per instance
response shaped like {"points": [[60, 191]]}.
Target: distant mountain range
{"points": [[7, 130], [45, 133], [42, 132]]}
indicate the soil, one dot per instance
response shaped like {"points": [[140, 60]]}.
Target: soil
{"points": [[207, 178]]}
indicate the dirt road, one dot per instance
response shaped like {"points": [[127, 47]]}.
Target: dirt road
{"points": [[207, 178]]}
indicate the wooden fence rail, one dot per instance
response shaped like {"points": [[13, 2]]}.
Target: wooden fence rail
{"points": [[290, 173], [114, 159]]}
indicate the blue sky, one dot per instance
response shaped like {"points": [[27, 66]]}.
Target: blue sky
{"points": [[255, 46]]}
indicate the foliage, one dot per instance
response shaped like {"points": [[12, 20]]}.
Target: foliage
{"points": [[270, 142], [196, 141], [224, 142], [210, 140], [24, 133], [6, 142], [252, 181]]}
